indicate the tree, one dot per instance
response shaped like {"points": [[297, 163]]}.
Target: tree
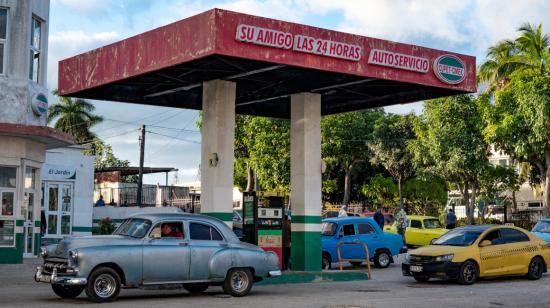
{"points": [[344, 140], [74, 117], [105, 158], [425, 195], [381, 190], [529, 51], [389, 147], [450, 144], [495, 181]]}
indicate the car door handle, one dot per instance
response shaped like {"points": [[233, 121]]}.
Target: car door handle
{"points": [[184, 244], [223, 245]]}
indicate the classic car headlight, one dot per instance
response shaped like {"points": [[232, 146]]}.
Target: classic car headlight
{"points": [[73, 257], [444, 258], [43, 252]]}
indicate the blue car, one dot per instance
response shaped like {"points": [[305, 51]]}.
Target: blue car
{"points": [[382, 246], [542, 229]]}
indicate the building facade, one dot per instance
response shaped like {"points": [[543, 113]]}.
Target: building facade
{"points": [[24, 137]]}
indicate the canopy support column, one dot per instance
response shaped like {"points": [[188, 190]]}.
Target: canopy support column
{"points": [[217, 149], [305, 179]]}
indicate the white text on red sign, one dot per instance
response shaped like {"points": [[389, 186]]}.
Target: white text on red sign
{"points": [[398, 60], [301, 43]]}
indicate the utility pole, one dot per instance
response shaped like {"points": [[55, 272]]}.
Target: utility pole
{"points": [[141, 158]]}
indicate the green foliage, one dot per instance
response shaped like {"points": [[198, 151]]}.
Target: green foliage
{"points": [[105, 158], [74, 117], [382, 190], [344, 139], [478, 221], [425, 195], [106, 226], [450, 142]]}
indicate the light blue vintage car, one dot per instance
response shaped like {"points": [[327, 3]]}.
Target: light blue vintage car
{"points": [[156, 249]]}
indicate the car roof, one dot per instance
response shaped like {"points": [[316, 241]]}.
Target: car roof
{"points": [[348, 219], [420, 217]]}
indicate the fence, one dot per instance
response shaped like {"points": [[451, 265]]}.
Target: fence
{"points": [[151, 196]]}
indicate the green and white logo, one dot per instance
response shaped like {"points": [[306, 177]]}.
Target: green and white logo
{"points": [[450, 69], [39, 104]]}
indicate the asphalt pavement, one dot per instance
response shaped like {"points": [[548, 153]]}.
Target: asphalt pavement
{"points": [[388, 288]]}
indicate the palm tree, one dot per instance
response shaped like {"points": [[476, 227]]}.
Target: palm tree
{"points": [[534, 46], [528, 51], [74, 117]]}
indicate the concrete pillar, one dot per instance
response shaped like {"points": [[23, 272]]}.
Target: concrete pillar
{"points": [[217, 149], [305, 181]]}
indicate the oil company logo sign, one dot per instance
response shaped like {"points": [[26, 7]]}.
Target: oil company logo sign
{"points": [[39, 104], [301, 43], [450, 69], [399, 60]]}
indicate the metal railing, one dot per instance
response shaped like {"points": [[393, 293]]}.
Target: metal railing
{"points": [[367, 260]]}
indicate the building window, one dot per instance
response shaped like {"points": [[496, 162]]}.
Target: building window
{"points": [[3, 37], [36, 36], [8, 183]]}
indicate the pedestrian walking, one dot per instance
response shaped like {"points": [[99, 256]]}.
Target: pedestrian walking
{"points": [[450, 219], [379, 217]]}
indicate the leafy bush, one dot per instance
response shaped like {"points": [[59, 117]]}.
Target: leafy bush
{"points": [[478, 221], [106, 226], [525, 224]]}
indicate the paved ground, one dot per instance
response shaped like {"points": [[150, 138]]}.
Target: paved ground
{"points": [[387, 289]]}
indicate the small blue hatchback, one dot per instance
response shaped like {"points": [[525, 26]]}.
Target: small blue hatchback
{"points": [[542, 229], [382, 246]]}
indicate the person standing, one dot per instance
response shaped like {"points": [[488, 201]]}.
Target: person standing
{"points": [[450, 219], [401, 224], [379, 218], [100, 202], [343, 211]]}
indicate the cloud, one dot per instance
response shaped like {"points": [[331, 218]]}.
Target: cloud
{"points": [[84, 6], [66, 44]]}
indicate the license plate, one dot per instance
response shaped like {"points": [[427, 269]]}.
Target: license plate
{"points": [[416, 268]]}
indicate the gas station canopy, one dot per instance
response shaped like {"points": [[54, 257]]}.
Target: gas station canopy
{"points": [[269, 60]]}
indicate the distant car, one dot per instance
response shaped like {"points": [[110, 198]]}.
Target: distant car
{"points": [[381, 246], [332, 214], [155, 249], [388, 217], [421, 230], [468, 253], [542, 229]]}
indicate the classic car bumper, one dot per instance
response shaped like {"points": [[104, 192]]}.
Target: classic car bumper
{"points": [[52, 278], [448, 270], [274, 273]]}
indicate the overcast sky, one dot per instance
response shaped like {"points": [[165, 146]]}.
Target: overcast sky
{"points": [[77, 26]]}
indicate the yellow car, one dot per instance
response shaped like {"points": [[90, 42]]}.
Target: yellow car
{"points": [[421, 230], [471, 252]]}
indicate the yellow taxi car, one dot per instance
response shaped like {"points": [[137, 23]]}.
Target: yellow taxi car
{"points": [[421, 230], [471, 252]]}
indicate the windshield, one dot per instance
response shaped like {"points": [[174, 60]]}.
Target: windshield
{"points": [[458, 237], [328, 228], [542, 226], [432, 224], [133, 227]]}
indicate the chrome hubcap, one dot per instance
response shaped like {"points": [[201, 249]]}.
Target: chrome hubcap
{"points": [[104, 285], [239, 281], [469, 273], [383, 259]]}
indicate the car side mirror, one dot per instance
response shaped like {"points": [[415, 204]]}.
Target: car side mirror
{"points": [[485, 243]]}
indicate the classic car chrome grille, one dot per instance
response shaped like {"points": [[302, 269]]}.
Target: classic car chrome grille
{"points": [[420, 259], [60, 266]]}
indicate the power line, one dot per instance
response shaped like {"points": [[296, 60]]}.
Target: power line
{"points": [[173, 137]]}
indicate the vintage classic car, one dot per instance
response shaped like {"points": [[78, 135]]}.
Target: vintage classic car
{"points": [[381, 246], [472, 252], [156, 249], [421, 230]]}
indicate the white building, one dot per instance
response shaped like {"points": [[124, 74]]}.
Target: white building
{"points": [[24, 137], [67, 185]]}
